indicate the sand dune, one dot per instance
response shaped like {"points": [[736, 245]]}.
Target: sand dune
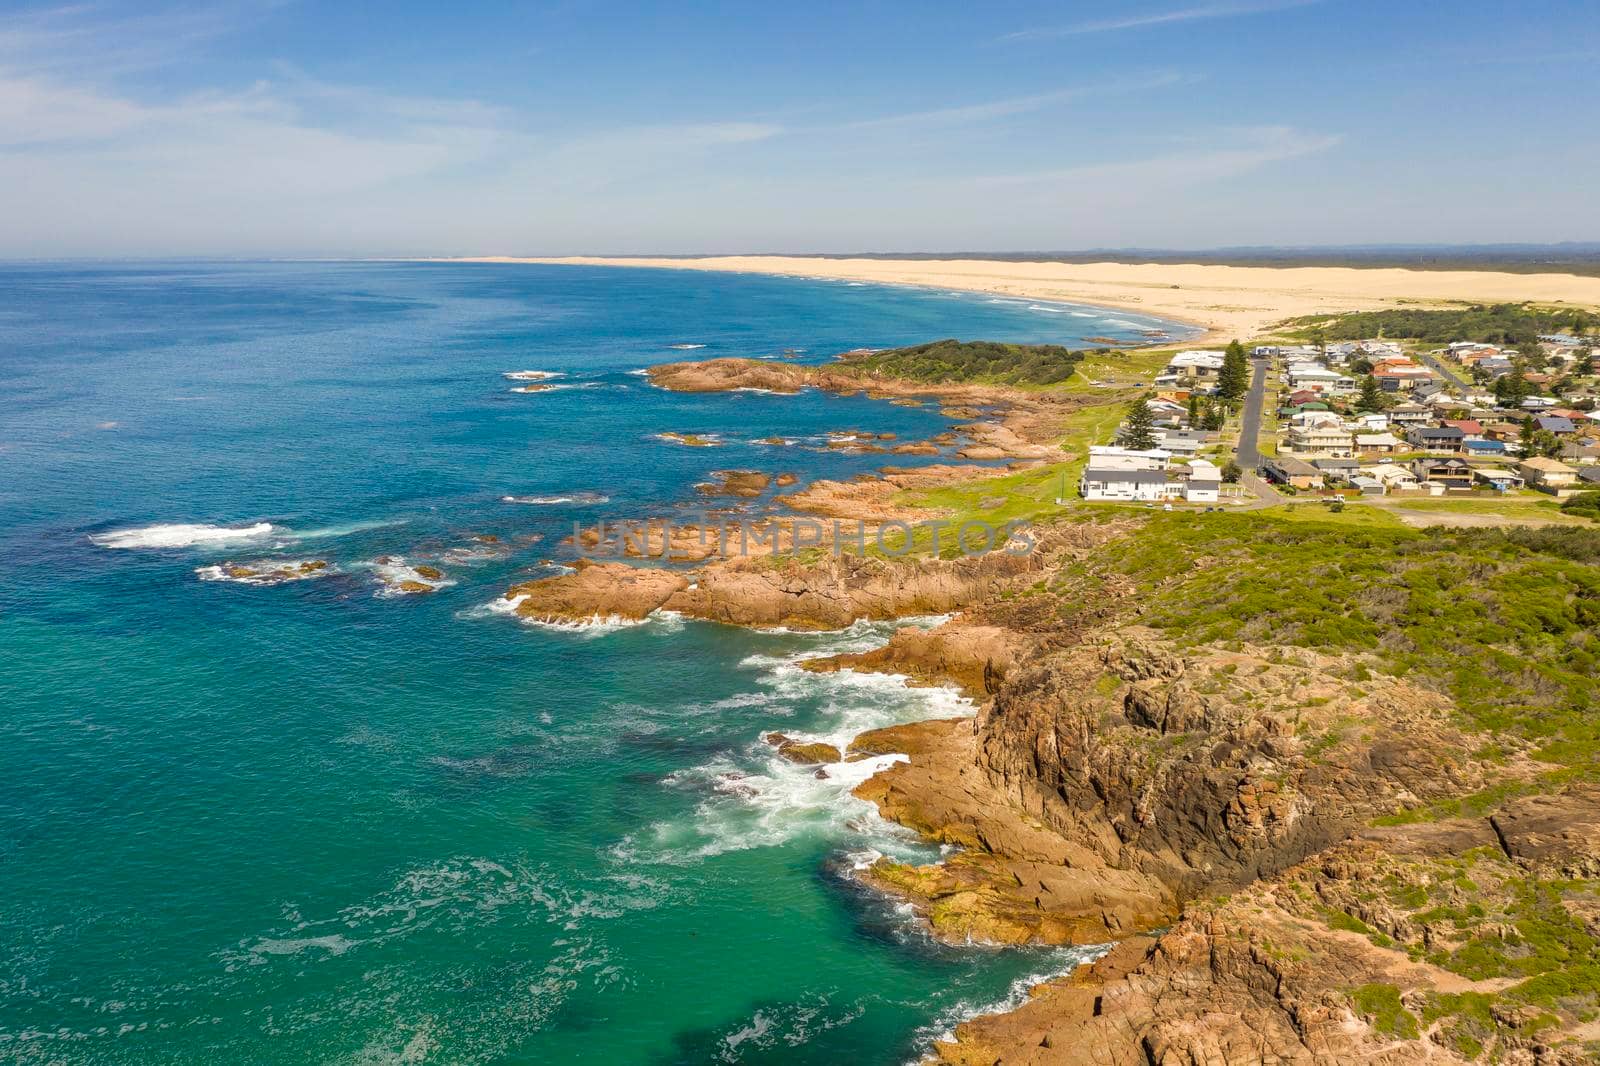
{"points": [[1229, 300]]}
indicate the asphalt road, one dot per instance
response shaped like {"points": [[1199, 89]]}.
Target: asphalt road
{"points": [[1246, 455], [1438, 367]]}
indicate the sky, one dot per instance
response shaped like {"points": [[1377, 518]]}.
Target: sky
{"points": [[281, 128]]}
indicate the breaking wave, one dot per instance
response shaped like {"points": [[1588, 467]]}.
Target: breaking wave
{"points": [[180, 535]]}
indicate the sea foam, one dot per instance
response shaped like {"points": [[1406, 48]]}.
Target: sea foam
{"points": [[180, 535]]}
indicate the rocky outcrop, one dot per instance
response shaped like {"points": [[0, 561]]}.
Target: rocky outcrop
{"points": [[975, 658], [596, 590], [742, 483], [836, 591]]}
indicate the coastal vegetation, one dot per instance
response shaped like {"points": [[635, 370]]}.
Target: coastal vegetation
{"points": [[982, 362], [1501, 620], [1508, 324]]}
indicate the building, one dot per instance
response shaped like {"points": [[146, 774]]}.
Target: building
{"points": [[1338, 469], [1287, 470], [1407, 415], [1497, 479], [1204, 484], [1115, 457], [1377, 443], [1393, 478], [1194, 365], [1119, 484], [1319, 437], [1548, 475], [1450, 473], [1444, 439]]}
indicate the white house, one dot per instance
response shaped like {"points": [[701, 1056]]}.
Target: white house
{"points": [[1393, 477], [1117, 484], [1205, 482], [1116, 457]]}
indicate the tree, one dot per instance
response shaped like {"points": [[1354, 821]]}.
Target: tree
{"points": [[1542, 442], [1194, 410], [1371, 399], [1231, 472], [1234, 377], [1138, 430], [1214, 417], [1511, 389]]}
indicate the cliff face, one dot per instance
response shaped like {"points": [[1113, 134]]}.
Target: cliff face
{"points": [[1208, 770]]}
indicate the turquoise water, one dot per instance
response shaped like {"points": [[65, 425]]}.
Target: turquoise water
{"points": [[315, 821]]}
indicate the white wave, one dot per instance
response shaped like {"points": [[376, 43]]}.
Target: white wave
{"points": [[685, 347], [642, 372], [1056, 962], [1052, 310], [180, 535], [756, 798], [343, 530], [395, 574], [1082, 314], [545, 501], [532, 375]]}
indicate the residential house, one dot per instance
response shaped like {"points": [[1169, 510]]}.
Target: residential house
{"points": [[1482, 448], [1392, 477], [1445, 439], [1116, 457], [1319, 437], [1407, 415], [1560, 425], [1377, 443], [1194, 365], [1287, 470], [1470, 427], [1548, 475], [1392, 378], [1318, 378], [1508, 432], [1116, 473], [1204, 483], [1183, 441], [1122, 484], [1497, 479], [1369, 486], [1338, 469], [1450, 473], [1589, 476]]}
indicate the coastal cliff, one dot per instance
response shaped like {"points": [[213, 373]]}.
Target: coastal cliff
{"points": [[1322, 810]]}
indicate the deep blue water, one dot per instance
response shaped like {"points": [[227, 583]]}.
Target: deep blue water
{"points": [[314, 821]]}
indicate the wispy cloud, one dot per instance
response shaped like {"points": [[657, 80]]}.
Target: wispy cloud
{"points": [[1016, 105], [1156, 18], [1233, 151]]}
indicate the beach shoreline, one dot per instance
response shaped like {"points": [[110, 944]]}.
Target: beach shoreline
{"points": [[1225, 301]]}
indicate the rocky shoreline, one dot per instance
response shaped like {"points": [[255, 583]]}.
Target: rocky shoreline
{"points": [[1209, 810]]}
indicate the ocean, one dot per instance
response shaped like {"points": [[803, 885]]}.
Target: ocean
{"points": [[324, 820]]}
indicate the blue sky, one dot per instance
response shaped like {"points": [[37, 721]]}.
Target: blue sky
{"points": [[284, 128]]}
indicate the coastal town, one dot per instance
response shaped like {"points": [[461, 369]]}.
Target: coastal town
{"points": [[1357, 421]]}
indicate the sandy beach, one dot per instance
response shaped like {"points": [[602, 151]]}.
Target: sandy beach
{"points": [[1229, 301]]}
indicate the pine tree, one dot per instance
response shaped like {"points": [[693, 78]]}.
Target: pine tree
{"points": [[1194, 411], [1138, 431], [1234, 377], [1370, 399]]}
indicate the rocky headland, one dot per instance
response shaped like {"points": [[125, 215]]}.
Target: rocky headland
{"points": [[1299, 850]]}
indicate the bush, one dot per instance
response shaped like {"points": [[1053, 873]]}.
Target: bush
{"points": [[1586, 504], [953, 360]]}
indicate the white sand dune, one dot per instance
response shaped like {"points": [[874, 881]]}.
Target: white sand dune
{"points": [[1228, 300]]}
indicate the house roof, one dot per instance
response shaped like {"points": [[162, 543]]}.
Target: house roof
{"points": [[1471, 427], [1555, 423], [1137, 477], [1548, 466], [1289, 466], [1589, 473], [1438, 433]]}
